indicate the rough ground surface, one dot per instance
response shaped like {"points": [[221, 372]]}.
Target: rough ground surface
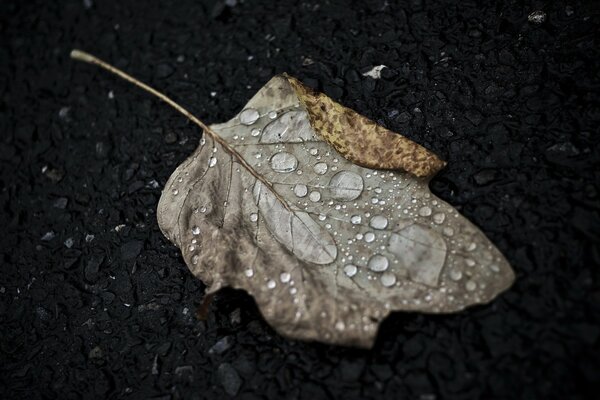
{"points": [[91, 310]]}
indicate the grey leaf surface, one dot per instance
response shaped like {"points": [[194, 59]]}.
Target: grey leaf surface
{"points": [[350, 244]]}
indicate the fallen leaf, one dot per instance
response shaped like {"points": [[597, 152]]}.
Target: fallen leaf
{"points": [[289, 200]]}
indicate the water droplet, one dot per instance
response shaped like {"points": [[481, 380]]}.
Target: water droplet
{"points": [[314, 196], [249, 273], [374, 200], [271, 284], [284, 162], [378, 263], [255, 132], [495, 268], [300, 190], [439, 218], [340, 326], [212, 162], [455, 275], [191, 247], [272, 114], [425, 211], [313, 151], [346, 185], [320, 168], [249, 116], [369, 237], [359, 236], [448, 231], [195, 259], [470, 262], [285, 277], [356, 219], [195, 230], [388, 279], [322, 217], [254, 217], [472, 246], [175, 192], [350, 270], [379, 222], [470, 286]]}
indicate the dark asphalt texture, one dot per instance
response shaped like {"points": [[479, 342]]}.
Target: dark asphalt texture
{"points": [[96, 303]]}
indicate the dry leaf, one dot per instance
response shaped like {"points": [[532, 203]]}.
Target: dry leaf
{"points": [[270, 203]]}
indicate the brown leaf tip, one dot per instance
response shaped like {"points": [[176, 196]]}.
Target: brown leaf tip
{"points": [[362, 141]]}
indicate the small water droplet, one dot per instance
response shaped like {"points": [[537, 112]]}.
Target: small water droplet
{"points": [[313, 151], [195, 259], [195, 230], [470, 262], [272, 114], [425, 211], [320, 168], [175, 192], [359, 236], [356, 219], [439, 218], [271, 284], [255, 132], [254, 217], [495, 268], [388, 279], [300, 190], [448, 231], [249, 116], [455, 275], [285, 277], [340, 326], [472, 246], [369, 237], [212, 162], [374, 200], [470, 286], [322, 217], [379, 222], [350, 270], [378, 263], [314, 196], [284, 162]]}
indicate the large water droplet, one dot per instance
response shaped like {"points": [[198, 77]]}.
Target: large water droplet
{"points": [[439, 218], [455, 274], [388, 279], [284, 162], [356, 219], [470, 286], [320, 168], [249, 116], [285, 277], [300, 190], [314, 196], [346, 185], [350, 270], [291, 127], [379, 222], [425, 211], [378, 263]]}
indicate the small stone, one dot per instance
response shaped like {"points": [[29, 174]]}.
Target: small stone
{"points": [[69, 243], [537, 17], [61, 203], [229, 379], [131, 250], [48, 236], [221, 346], [95, 353]]}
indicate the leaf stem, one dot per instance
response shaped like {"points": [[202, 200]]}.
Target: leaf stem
{"points": [[88, 58]]}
